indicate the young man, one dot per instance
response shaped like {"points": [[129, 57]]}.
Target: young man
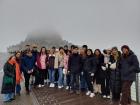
{"points": [[27, 65], [74, 66], [129, 66]]}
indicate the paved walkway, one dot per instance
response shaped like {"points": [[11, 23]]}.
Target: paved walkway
{"points": [[20, 100]]}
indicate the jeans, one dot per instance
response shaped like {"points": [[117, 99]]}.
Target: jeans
{"points": [[51, 75], [60, 78], [18, 88], [8, 97], [75, 82], [83, 84]]}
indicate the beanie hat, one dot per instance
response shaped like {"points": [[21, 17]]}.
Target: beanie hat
{"points": [[126, 47]]}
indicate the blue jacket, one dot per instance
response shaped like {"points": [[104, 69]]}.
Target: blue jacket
{"points": [[27, 63]]}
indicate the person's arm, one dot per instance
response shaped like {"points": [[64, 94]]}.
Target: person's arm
{"points": [[135, 65], [23, 66], [7, 70]]}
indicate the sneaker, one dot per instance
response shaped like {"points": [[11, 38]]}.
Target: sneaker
{"points": [[92, 95], [59, 87], [45, 81], [39, 86], [67, 88], [108, 97], [88, 93], [51, 85], [104, 96], [42, 85]]}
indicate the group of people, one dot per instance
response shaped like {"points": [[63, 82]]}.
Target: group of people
{"points": [[77, 69]]}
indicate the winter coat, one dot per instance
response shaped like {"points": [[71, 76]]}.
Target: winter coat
{"points": [[115, 76], [9, 75], [38, 61], [129, 66], [27, 63], [74, 63], [90, 64], [66, 59], [51, 61]]}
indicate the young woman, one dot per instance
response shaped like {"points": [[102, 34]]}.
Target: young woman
{"points": [[19, 77], [60, 67], [90, 67], [115, 75], [65, 70], [51, 61], [100, 58], [9, 79], [41, 63], [105, 75]]}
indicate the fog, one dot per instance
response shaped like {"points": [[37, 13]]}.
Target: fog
{"points": [[97, 23]]}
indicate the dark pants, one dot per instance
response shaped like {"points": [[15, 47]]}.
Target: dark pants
{"points": [[126, 92], [56, 75], [105, 84], [18, 88], [27, 78], [41, 77], [46, 74], [89, 79], [68, 79], [75, 81]]}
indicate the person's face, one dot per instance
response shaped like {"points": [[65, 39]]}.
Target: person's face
{"points": [[97, 53], [29, 54], [75, 50], [53, 50], [82, 51], [108, 52], [125, 51], [18, 55], [61, 50], [114, 51], [88, 52], [66, 48], [43, 50], [34, 48]]}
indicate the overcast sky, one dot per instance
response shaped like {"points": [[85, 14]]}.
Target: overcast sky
{"points": [[97, 23]]}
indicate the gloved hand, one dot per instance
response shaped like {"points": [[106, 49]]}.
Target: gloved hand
{"points": [[92, 74], [82, 73], [103, 68], [113, 66]]}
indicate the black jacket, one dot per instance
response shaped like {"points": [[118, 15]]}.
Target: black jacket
{"points": [[9, 71], [74, 63], [129, 66], [90, 64], [115, 77]]}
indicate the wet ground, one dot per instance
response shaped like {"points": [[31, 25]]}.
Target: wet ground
{"points": [[54, 96]]}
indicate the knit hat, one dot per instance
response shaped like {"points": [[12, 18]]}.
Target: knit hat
{"points": [[126, 47]]}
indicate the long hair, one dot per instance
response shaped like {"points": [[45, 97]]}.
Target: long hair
{"points": [[90, 51], [41, 50], [100, 54]]}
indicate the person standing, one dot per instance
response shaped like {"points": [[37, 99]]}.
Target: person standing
{"points": [[27, 65], [9, 79], [65, 70], [74, 67], [90, 67], [41, 63], [105, 75], [100, 59], [60, 62], [51, 69], [129, 66], [115, 75]]}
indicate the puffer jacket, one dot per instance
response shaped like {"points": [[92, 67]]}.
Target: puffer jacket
{"points": [[129, 66], [90, 64]]}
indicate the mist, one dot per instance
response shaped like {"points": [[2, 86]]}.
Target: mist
{"points": [[97, 23]]}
